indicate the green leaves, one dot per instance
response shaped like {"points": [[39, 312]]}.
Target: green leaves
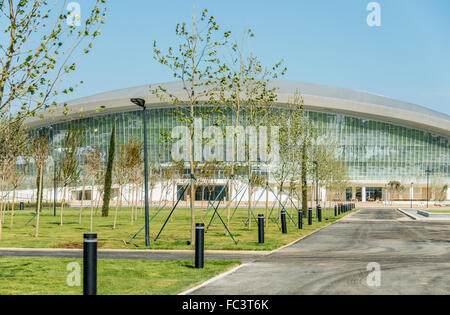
{"points": [[40, 51]]}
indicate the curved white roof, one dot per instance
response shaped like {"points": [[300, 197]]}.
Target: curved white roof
{"points": [[316, 97]]}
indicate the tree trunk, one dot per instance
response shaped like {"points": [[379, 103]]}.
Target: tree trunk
{"points": [[41, 174], [82, 197], [136, 202], [6, 202], [304, 179], [267, 205], [132, 203], [1, 198], [62, 205], [40, 192], [117, 206], [12, 209], [249, 195], [174, 189], [92, 203], [151, 196], [108, 174]]}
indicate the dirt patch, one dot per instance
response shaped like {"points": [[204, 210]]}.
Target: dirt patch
{"points": [[74, 245]]}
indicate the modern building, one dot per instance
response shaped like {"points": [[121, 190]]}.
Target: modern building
{"points": [[382, 140]]}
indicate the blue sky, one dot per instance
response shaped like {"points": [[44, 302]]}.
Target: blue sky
{"points": [[322, 41]]}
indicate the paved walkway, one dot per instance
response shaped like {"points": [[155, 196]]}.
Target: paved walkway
{"points": [[414, 258]]}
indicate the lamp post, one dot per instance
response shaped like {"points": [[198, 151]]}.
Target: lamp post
{"points": [[317, 181], [428, 172], [411, 194], [141, 103]]}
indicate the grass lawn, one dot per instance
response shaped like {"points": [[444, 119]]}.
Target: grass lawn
{"points": [[48, 276], [175, 235]]}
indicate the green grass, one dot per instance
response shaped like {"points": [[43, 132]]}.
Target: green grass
{"points": [[175, 235], [48, 276]]}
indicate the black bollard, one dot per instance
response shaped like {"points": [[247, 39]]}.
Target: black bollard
{"points": [[283, 222], [90, 264], [335, 210], [261, 228], [309, 216], [319, 213], [300, 219], [199, 245]]}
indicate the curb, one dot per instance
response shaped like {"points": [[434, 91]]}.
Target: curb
{"points": [[407, 214], [131, 251], [428, 218], [219, 276]]}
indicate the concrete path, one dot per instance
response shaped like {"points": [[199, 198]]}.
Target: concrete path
{"points": [[423, 215], [414, 258]]}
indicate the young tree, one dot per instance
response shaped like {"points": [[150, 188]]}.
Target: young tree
{"points": [[306, 140], [133, 162], [83, 190], [17, 176], [290, 145], [246, 93], [93, 167], [121, 173], [69, 168], [40, 151], [41, 45], [13, 141], [332, 170], [196, 63], [108, 174]]}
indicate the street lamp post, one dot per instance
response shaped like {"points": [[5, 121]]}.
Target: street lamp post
{"points": [[411, 194], [141, 103], [428, 172]]}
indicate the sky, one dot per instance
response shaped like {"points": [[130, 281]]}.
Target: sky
{"points": [[323, 41]]}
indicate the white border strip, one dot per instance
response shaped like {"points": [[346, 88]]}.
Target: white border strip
{"points": [[409, 215], [220, 276]]}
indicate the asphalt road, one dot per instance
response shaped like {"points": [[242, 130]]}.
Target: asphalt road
{"points": [[413, 257]]}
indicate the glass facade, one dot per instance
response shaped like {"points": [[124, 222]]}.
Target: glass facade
{"points": [[373, 150]]}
